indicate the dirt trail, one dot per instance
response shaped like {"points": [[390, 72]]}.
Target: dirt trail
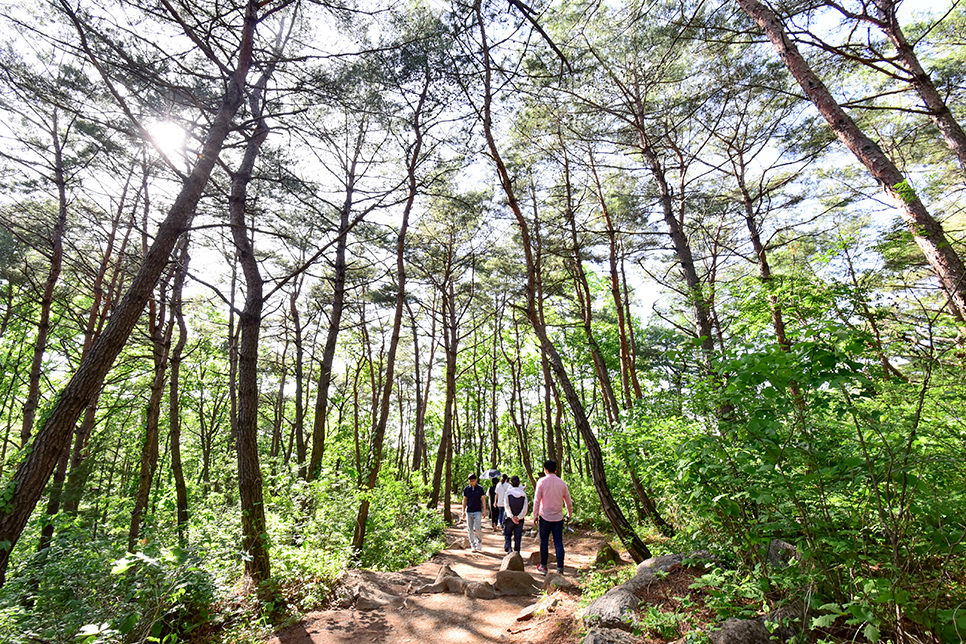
{"points": [[385, 612]]}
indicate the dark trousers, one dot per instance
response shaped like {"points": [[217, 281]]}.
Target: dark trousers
{"points": [[512, 529], [546, 529]]}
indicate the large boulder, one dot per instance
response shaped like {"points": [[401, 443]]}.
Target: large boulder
{"points": [[613, 609], [513, 561], [600, 635], [447, 581], [741, 631], [367, 590], [515, 582], [662, 563]]}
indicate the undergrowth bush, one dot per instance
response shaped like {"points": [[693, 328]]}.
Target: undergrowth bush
{"points": [[76, 590], [863, 475]]}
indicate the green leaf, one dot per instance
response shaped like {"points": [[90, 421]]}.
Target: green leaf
{"points": [[871, 632], [823, 621], [121, 566], [128, 623]]}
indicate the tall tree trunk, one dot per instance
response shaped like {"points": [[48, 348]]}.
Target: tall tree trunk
{"points": [[622, 527], [585, 300], [160, 335], [159, 332], [174, 396], [494, 383], [47, 298], [299, 428], [379, 430], [254, 530], [335, 315], [682, 247], [444, 455], [628, 370], [939, 111], [54, 436], [926, 231], [516, 393], [419, 433]]}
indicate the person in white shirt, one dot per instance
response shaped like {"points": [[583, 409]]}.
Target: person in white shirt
{"points": [[501, 489]]}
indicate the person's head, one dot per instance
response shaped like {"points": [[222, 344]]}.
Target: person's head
{"points": [[472, 478], [550, 466], [505, 478], [515, 481]]}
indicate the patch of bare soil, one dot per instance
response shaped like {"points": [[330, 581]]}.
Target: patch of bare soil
{"points": [[378, 607]]}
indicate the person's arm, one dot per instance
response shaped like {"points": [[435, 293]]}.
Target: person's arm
{"points": [[570, 504], [464, 503], [537, 497]]}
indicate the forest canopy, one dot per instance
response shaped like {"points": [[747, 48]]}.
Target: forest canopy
{"points": [[276, 276]]}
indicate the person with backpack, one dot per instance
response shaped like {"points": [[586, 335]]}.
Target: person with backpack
{"points": [[515, 509]]}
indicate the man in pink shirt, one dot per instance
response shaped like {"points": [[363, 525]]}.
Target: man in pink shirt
{"points": [[548, 504]]}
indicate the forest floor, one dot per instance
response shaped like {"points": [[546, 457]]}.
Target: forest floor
{"points": [[399, 617]]}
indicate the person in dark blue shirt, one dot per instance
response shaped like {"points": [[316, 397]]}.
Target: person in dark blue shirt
{"points": [[474, 509]]}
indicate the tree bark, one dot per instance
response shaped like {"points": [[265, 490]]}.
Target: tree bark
{"points": [[174, 396], [920, 80], [101, 309], [254, 530], [53, 438], [299, 428], [450, 347], [926, 231]]}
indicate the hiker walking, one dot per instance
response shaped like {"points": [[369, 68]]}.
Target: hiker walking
{"points": [[500, 513], [474, 509], [492, 492], [548, 504], [515, 514]]}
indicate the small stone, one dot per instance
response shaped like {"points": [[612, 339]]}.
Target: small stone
{"points": [[741, 631], [513, 561], [515, 582], [528, 612], [534, 559], [554, 581], [609, 636]]}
